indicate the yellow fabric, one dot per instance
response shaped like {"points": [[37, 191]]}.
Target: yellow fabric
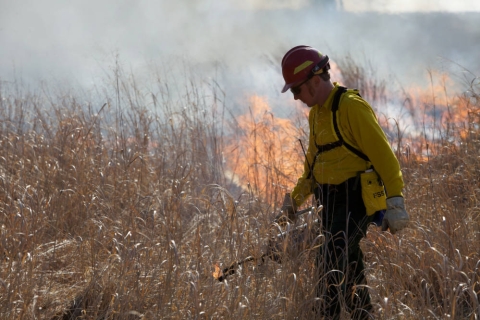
{"points": [[302, 66], [359, 127], [373, 192]]}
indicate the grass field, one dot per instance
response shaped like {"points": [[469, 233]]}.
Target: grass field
{"points": [[120, 209]]}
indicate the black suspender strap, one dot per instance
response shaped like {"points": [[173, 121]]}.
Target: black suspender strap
{"points": [[341, 142], [336, 102]]}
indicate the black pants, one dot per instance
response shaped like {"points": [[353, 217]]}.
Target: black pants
{"points": [[341, 283]]}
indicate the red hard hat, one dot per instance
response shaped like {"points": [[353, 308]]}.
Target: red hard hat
{"points": [[301, 63]]}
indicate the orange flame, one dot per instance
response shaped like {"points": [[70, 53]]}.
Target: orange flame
{"points": [[440, 116], [264, 151]]}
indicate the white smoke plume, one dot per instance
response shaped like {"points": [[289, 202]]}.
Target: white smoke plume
{"points": [[239, 42]]}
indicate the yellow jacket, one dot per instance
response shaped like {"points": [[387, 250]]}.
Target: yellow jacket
{"points": [[359, 127]]}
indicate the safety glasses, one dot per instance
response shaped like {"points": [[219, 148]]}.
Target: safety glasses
{"points": [[297, 90]]}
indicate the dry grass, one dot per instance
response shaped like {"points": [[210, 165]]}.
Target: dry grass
{"points": [[119, 210]]}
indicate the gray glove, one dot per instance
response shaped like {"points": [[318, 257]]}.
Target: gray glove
{"points": [[396, 218], [287, 211]]}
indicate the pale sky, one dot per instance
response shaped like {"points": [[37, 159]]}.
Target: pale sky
{"points": [[399, 6], [384, 6]]}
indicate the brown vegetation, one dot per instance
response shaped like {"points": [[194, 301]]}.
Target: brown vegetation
{"points": [[121, 210]]}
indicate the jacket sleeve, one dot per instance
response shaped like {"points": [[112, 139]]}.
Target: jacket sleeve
{"points": [[369, 137]]}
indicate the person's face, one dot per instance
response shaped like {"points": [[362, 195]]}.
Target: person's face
{"points": [[304, 92]]}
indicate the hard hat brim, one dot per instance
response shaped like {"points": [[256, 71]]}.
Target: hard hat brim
{"points": [[286, 87]]}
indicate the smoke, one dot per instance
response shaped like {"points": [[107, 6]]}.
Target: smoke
{"points": [[239, 43]]}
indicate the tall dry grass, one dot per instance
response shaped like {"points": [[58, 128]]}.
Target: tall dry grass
{"points": [[118, 208]]}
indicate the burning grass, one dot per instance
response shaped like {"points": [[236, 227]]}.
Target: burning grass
{"points": [[119, 210]]}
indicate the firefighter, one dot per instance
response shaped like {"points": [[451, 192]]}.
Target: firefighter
{"points": [[347, 149]]}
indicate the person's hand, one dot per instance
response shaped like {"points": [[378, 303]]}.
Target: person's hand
{"points": [[396, 217], [287, 211]]}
